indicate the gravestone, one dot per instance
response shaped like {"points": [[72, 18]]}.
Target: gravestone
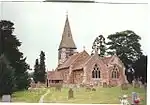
{"points": [[33, 85], [58, 88], [133, 83], [140, 83], [38, 85], [6, 98], [110, 86], [93, 89], [124, 86], [88, 89], [91, 86], [70, 93], [105, 85], [81, 85], [77, 87], [137, 85], [145, 85]]}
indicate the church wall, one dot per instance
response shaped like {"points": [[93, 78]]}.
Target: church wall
{"points": [[64, 73], [122, 77], [119, 80], [88, 69], [77, 76]]}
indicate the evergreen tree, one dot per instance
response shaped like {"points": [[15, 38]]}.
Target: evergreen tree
{"points": [[36, 73], [100, 45], [42, 67], [7, 79], [10, 47]]}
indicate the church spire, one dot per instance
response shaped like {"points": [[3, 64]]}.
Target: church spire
{"points": [[67, 39]]}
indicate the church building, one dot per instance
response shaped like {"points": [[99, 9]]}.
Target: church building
{"points": [[82, 68]]}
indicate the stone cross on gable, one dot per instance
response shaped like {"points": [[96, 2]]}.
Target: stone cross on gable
{"points": [[67, 13]]}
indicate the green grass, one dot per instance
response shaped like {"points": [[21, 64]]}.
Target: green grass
{"points": [[28, 96], [100, 96]]}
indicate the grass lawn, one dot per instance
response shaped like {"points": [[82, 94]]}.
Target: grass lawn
{"points": [[28, 96], [100, 96]]}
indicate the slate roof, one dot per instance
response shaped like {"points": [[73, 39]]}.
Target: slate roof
{"points": [[67, 39], [69, 61], [106, 59], [54, 75], [78, 61], [81, 60]]}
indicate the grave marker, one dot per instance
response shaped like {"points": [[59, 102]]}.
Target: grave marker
{"points": [[140, 83], [6, 98], [70, 93], [105, 85], [124, 86], [137, 85], [93, 89], [58, 87]]}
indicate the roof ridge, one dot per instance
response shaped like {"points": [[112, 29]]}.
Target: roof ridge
{"points": [[77, 57], [77, 54]]}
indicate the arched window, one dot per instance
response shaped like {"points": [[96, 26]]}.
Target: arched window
{"points": [[115, 73], [96, 72]]}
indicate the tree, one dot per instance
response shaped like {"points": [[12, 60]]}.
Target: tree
{"points": [[140, 67], [6, 77], [99, 45], [36, 73], [10, 47], [42, 67], [126, 46]]}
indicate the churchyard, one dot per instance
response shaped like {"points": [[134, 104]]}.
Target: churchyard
{"points": [[82, 95], [28, 96], [100, 96]]}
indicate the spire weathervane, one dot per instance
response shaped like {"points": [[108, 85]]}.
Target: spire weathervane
{"points": [[66, 13]]}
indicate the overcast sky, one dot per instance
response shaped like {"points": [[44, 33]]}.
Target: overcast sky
{"points": [[39, 26]]}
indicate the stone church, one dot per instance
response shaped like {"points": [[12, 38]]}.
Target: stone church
{"points": [[81, 68]]}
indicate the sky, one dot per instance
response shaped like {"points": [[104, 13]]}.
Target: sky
{"points": [[39, 25]]}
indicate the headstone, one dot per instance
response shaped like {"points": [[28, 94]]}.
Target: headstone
{"points": [[6, 98], [38, 85], [133, 83], [145, 85], [70, 93], [110, 86], [93, 89], [137, 85], [77, 87], [81, 85], [88, 89], [33, 85], [124, 86], [140, 83], [105, 85], [58, 88], [91, 85]]}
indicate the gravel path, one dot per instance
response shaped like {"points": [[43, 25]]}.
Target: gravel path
{"points": [[42, 97]]}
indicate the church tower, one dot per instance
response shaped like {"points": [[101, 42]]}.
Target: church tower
{"points": [[67, 46]]}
